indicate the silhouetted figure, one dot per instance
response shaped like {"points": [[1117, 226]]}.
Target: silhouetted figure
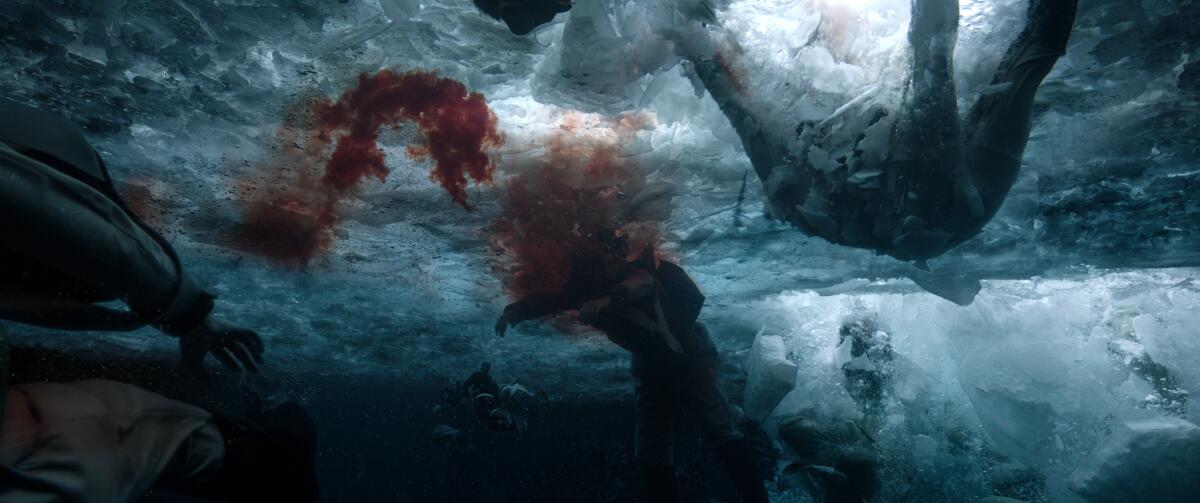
{"points": [[481, 381], [650, 308], [869, 372]]}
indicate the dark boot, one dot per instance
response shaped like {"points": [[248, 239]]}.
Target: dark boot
{"points": [[742, 466], [660, 484]]}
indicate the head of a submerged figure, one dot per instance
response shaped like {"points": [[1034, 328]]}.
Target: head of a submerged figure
{"points": [[485, 368]]}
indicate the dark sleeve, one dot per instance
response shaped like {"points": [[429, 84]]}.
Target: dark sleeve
{"points": [[86, 234], [537, 306], [683, 299]]}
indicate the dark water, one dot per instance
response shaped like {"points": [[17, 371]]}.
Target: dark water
{"points": [[377, 442]]}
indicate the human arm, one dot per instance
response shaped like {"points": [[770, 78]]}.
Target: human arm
{"points": [[72, 226], [530, 307]]}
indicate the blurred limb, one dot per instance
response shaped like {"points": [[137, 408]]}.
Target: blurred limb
{"points": [[998, 125], [942, 180], [713, 57], [925, 152]]}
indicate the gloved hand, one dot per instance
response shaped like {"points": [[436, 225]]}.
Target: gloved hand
{"points": [[234, 346]]}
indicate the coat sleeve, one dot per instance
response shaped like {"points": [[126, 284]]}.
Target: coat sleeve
{"points": [[63, 222]]}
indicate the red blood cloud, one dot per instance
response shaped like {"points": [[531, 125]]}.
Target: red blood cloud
{"points": [[458, 126], [583, 187], [289, 207]]}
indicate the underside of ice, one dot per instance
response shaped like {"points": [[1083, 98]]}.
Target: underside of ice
{"points": [[1080, 302], [1151, 460]]}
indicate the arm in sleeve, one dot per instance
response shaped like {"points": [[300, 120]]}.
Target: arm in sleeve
{"points": [[56, 219], [536, 306]]}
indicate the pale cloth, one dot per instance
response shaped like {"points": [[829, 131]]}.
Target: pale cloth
{"points": [[100, 442]]}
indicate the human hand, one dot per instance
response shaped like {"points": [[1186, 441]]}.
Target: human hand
{"points": [[234, 346], [502, 325]]}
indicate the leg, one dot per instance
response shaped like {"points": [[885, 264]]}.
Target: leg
{"points": [[714, 56], [654, 427], [699, 379], [998, 125], [925, 144]]}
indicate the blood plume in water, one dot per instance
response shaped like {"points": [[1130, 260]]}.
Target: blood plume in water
{"points": [[289, 207], [583, 188]]}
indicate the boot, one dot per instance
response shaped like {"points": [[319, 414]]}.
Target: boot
{"points": [[742, 466], [660, 484]]}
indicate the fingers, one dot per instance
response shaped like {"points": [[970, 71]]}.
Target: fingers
{"points": [[243, 354], [252, 342], [223, 356]]}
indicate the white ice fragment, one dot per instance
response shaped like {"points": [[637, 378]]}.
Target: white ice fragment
{"points": [[769, 376], [398, 10]]}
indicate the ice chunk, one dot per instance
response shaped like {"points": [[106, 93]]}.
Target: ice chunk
{"points": [[1143, 461], [1016, 426], [769, 376]]}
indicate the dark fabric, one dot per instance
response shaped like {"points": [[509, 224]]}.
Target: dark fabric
{"points": [[59, 144], [681, 303], [660, 483], [682, 300], [680, 297], [666, 384], [188, 318], [28, 276], [268, 458], [742, 466], [51, 139]]}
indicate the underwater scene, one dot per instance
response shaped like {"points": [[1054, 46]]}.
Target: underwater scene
{"points": [[828, 251]]}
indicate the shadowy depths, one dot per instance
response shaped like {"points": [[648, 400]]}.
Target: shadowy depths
{"points": [[377, 442]]}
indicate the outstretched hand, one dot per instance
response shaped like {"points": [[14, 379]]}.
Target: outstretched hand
{"points": [[236, 347], [502, 325]]}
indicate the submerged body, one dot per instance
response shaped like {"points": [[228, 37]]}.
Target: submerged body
{"points": [[650, 309], [936, 180]]}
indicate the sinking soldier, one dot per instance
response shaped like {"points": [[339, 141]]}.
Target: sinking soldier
{"points": [[868, 373], [649, 308], [69, 243], [480, 382]]}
